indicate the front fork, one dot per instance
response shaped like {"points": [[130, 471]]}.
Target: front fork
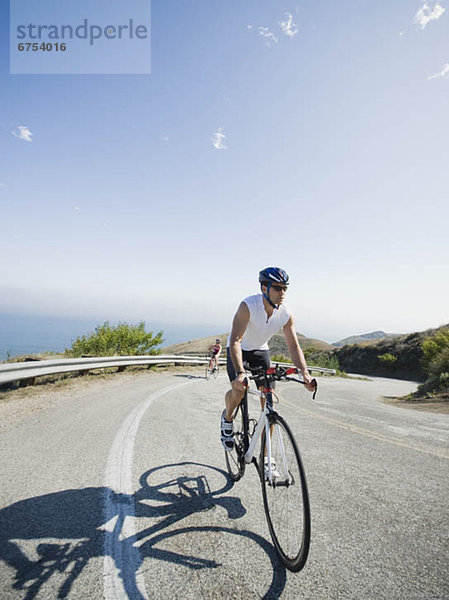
{"points": [[268, 433]]}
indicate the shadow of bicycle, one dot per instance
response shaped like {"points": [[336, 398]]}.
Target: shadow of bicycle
{"points": [[60, 533], [188, 376]]}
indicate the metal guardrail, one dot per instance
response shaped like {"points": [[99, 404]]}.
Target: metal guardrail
{"points": [[283, 364], [29, 370], [10, 372], [310, 367]]}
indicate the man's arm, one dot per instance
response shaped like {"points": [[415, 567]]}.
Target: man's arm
{"points": [[296, 353], [239, 325]]}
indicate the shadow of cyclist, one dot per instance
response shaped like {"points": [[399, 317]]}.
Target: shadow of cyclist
{"points": [[61, 532]]}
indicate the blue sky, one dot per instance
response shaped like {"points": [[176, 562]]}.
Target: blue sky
{"points": [[310, 135]]}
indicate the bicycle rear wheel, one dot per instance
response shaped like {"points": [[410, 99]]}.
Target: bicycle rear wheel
{"points": [[234, 459], [286, 498]]}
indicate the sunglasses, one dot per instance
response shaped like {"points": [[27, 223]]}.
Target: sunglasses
{"points": [[279, 288]]}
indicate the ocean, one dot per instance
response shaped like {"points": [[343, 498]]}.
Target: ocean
{"points": [[31, 334]]}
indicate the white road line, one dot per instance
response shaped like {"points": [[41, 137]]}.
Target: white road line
{"points": [[122, 577]]}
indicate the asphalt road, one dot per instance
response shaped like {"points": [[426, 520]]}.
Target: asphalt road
{"points": [[117, 489]]}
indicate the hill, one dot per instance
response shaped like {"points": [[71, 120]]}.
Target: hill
{"points": [[277, 344], [399, 357], [199, 346], [366, 338]]}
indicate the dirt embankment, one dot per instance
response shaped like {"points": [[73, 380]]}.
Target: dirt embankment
{"points": [[438, 403]]}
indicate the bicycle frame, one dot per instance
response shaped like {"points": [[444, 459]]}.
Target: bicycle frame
{"points": [[263, 423]]}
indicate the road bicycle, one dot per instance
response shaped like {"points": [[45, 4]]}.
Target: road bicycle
{"points": [[284, 485], [212, 368]]}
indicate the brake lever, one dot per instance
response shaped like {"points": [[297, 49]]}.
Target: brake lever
{"points": [[304, 383]]}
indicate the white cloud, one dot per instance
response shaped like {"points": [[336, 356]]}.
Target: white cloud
{"points": [[23, 133], [217, 139], [269, 35], [443, 73], [288, 27], [426, 14]]}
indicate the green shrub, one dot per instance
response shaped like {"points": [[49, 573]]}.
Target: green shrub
{"points": [[332, 363], [436, 362], [388, 359], [119, 340], [434, 346], [444, 378], [280, 358], [322, 358], [316, 358]]}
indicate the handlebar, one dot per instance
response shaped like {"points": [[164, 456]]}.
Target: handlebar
{"points": [[278, 373]]}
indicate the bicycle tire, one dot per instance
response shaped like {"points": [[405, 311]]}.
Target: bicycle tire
{"points": [[234, 458], [207, 372], [286, 499]]}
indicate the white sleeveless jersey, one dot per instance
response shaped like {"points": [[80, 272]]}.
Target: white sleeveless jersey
{"points": [[259, 330]]}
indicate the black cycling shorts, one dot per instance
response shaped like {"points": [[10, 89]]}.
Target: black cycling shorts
{"points": [[254, 358]]}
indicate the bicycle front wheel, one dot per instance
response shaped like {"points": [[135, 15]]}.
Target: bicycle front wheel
{"points": [[207, 372], [235, 458], [285, 497]]}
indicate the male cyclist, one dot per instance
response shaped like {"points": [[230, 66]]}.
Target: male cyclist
{"points": [[215, 351], [257, 319]]}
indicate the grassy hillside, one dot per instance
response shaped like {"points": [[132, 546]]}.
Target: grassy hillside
{"points": [[198, 346], [367, 338], [277, 344], [399, 357]]}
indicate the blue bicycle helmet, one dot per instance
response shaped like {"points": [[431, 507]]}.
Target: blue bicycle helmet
{"points": [[269, 276]]}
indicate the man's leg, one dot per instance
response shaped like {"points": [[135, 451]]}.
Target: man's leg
{"points": [[233, 397], [232, 400], [227, 426]]}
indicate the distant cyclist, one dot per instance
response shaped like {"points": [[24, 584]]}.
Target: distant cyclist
{"points": [[215, 351], [257, 319]]}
